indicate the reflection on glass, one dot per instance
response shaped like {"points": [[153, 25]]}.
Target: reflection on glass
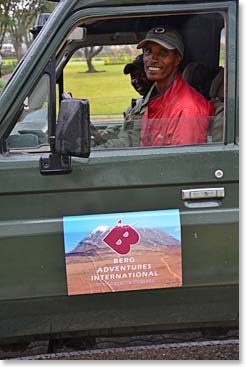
{"points": [[160, 132], [31, 130]]}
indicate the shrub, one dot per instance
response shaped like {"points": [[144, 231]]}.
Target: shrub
{"points": [[8, 68], [115, 60]]}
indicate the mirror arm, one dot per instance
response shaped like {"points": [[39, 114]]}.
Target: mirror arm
{"points": [[53, 163], [51, 71], [60, 86]]}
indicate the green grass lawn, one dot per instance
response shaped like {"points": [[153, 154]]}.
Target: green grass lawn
{"points": [[109, 91]]}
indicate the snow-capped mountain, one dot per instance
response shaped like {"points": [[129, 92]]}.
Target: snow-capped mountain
{"points": [[149, 238]]}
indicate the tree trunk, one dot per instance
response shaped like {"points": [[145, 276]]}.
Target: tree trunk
{"points": [[91, 68], [90, 52]]}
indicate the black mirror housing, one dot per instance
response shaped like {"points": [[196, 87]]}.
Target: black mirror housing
{"points": [[73, 128]]}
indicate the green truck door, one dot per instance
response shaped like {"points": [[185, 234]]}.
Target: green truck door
{"points": [[199, 181]]}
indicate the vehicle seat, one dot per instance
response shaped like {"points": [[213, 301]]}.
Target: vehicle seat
{"points": [[216, 94], [22, 141], [197, 75]]}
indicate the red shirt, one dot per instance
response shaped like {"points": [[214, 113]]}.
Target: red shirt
{"points": [[178, 116]]}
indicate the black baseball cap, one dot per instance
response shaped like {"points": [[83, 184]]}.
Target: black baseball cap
{"points": [[171, 39], [137, 63]]}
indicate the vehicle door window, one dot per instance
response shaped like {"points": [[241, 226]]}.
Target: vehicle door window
{"points": [[121, 117]]}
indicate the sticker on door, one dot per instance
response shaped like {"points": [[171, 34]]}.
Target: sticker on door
{"points": [[123, 251]]}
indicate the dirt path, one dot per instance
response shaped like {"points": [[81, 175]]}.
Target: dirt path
{"points": [[6, 76]]}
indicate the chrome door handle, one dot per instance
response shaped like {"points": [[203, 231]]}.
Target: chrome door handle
{"points": [[208, 193]]}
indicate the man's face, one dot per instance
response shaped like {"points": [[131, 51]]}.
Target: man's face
{"points": [[139, 81], [160, 63]]}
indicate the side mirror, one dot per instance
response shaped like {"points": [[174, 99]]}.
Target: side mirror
{"points": [[73, 128], [72, 137]]}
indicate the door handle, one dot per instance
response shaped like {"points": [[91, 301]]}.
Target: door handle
{"points": [[207, 193]]}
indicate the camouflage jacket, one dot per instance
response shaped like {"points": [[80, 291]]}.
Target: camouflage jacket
{"points": [[129, 134]]}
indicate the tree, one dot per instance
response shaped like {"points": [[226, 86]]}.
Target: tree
{"points": [[23, 14], [17, 17], [5, 6], [91, 52]]}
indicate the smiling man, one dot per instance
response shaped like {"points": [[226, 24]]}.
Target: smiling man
{"points": [[138, 76], [177, 114], [129, 133]]}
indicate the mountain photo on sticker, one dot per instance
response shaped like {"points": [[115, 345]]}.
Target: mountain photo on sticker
{"points": [[123, 251]]}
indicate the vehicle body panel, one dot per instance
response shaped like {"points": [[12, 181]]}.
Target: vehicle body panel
{"points": [[33, 290]]}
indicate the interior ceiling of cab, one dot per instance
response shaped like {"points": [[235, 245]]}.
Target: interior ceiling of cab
{"points": [[143, 24]]}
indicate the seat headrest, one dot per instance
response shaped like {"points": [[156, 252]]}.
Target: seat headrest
{"points": [[217, 86], [196, 74]]}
